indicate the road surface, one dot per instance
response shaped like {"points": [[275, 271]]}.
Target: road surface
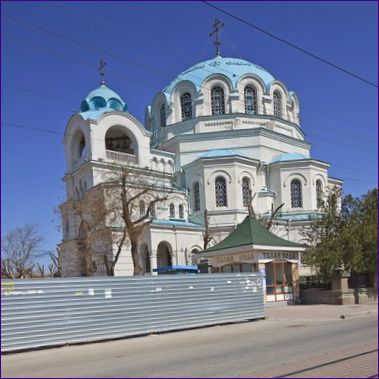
{"points": [[266, 348]]}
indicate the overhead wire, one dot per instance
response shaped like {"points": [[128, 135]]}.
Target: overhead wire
{"points": [[288, 43]]}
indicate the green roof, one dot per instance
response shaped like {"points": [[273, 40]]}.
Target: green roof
{"points": [[251, 232]]}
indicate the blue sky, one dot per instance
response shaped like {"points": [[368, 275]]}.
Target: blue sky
{"points": [[145, 45]]}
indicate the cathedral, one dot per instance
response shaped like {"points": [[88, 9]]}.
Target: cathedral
{"points": [[223, 137]]}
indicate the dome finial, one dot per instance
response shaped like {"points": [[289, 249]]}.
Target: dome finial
{"points": [[217, 26], [101, 70]]}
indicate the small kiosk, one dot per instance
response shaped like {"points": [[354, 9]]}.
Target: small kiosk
{"points": [[250, 248]]}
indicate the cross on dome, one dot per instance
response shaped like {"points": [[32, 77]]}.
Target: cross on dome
{"points": [[217, 26]]}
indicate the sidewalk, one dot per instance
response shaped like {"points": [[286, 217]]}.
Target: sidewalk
{"points": [[319, 312]]}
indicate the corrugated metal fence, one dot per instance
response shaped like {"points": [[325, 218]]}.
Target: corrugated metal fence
{"points": [[48, 312]]}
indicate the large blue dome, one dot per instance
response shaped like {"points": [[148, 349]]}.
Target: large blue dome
{"points": [[100, 100], [233, 68]]}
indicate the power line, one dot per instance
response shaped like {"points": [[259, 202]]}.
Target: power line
{"points": [[288, 43], [261, 110]]}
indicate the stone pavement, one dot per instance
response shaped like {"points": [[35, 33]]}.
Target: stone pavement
{"points": [[319, 312]]}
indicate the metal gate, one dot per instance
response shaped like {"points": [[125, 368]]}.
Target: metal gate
{"points": [[50, 312]]}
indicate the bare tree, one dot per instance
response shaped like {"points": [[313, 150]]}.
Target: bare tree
{"points": [[133, 196], [118, 211], [207, 237], [20, 249], [54, 267], [274, 212], [91, 213]]}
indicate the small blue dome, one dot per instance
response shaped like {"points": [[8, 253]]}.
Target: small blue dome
{"points": [[233, 68], [100, 100], [289, 157]]}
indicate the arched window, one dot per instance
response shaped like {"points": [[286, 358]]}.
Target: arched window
{"points": [[186, 104], [277, 104], [245, 191], [82, 148], [220, 192], [250, 100], [319, 193], [162, 115], [218, 101], [142, 208], [85, 185], [181, 211], [76, 193], [117, 140], [172, 210], [296, 197], [196, 197]]}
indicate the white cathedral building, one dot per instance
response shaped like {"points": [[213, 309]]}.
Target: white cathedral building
{"points": [[220, 129]]}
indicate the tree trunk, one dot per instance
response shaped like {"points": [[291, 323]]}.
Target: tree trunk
{"points": [[136, 262]]}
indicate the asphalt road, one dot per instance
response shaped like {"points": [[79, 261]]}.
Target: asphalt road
{"points": [[341, 348]]}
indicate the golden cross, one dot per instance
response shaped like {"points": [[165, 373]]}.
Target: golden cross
{"points": [[217, 26]]}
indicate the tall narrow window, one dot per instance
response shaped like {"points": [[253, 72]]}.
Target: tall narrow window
{"points": [[245, 191], [220, 192], [181, 211], [162, 115], [250, 100], [186, 104], [172, 210], [319, 192], [218, 101], [196, 197], [142, 208], [296, 197], [277, 104]]}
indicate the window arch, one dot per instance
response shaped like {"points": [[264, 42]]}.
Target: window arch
{"points": [[67, 227], [277, 104], [172, 210], [218, 101], [186, 105], [220, 192], [142, 208], [245, 191], [196, 197], [162, 115], [181, 211], [76, 193], [296, 196], [250, 95], [319, 193], [116, 139]]}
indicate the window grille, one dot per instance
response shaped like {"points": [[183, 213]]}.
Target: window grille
{"points": [[181, 211], [277, 104], [162, 115], [245, 191], [250, 100], [186, 105], [220, 192], [172, 210], [196, 196], [218, 101], [296, 198]]}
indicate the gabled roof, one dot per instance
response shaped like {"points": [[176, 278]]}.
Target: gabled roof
{"points": [[251, 232]]}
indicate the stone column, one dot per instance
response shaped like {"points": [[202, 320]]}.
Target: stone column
{"points": [[153, 261], [295, 283]]}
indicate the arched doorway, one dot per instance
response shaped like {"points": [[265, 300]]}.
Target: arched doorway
{"points": [[164, 254], [145, 259]]}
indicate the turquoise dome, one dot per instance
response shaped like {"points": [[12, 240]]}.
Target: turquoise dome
{"points": [[233, 68], [100, 100], [289, 157]]}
